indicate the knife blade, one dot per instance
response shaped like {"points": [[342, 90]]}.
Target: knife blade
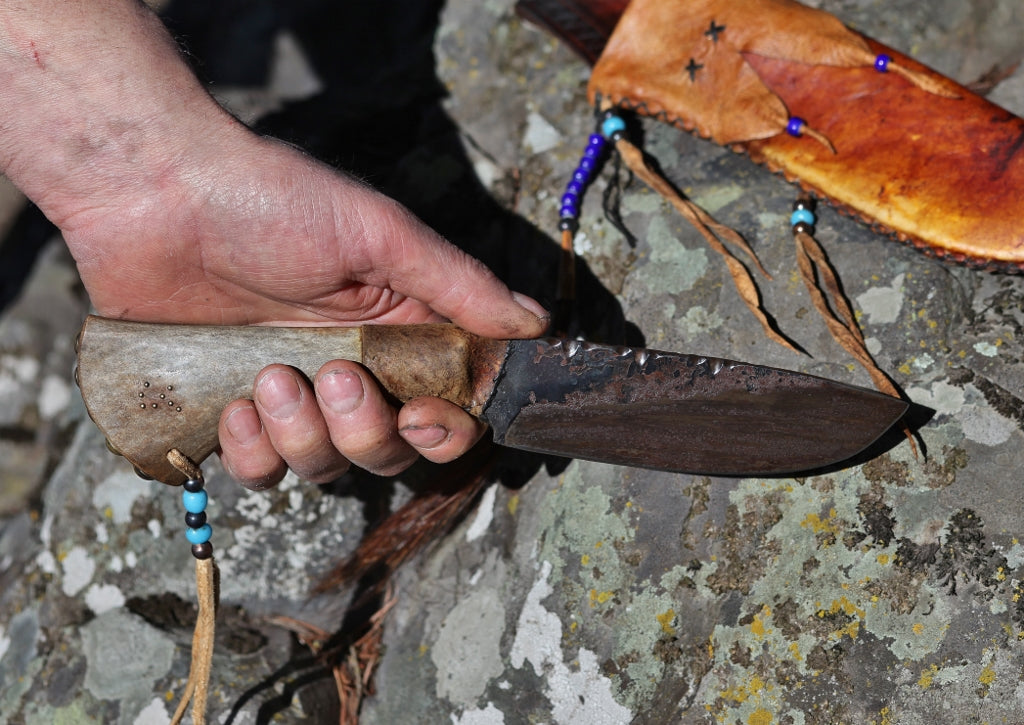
{"points": [[154, 387]]}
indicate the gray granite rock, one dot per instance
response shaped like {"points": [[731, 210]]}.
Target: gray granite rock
{"points": [[885, 592]]}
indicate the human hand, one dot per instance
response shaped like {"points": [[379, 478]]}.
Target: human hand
{"points": [[174, 212]]}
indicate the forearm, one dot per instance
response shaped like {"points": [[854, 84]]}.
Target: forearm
{"points": [[94, 92]]}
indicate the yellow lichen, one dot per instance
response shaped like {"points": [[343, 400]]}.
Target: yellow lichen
{"points": [[845, 606], [927, 677], [758, 625], [666, 619], [819, 525]]}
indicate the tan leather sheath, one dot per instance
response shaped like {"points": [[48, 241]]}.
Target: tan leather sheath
{"points": [[908, 151]]}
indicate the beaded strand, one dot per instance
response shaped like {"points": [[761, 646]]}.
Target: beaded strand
{"points": [[611, 128], [197, 531], [802, 219]]}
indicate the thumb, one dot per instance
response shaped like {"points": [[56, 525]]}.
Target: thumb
{"points": [[462, 289], [418, 263]]}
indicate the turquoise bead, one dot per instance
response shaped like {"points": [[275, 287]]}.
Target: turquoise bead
{"points": [[612, 125], [195, 502], [802, 215], [200, 535]]}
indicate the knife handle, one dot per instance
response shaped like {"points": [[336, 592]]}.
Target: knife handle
{"points": [[153, 387]]}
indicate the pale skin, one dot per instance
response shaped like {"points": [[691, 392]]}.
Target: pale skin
{"points": [[175, 212]]}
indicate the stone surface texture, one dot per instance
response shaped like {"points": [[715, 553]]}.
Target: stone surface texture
{"points": [[884, 592]]}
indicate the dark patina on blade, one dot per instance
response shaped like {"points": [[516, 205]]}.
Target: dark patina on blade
{"points": [[683, 413]]}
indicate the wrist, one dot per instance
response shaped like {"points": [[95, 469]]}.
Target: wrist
{"points": [[99, 104]]}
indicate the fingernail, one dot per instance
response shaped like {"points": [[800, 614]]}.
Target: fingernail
{"points": [[532, 306], [427, 436], [278, 393], [244, 425], [341, 390]]}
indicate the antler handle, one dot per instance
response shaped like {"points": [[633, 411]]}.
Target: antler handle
{"points": [[154, 387]]}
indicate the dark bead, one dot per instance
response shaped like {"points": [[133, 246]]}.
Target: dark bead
{"points": [[194, 521], [805, 203], [194, 485], [568, 224], [202, 551], [803, 228]]}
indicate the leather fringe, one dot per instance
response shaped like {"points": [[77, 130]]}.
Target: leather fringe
{"points": [[823, 285], [197, 687], [714, 234]]}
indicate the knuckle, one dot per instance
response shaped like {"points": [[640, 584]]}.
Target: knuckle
{"points": [[255, 473]]}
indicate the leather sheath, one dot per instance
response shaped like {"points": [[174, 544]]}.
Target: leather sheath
{"points": [[911, 153]]}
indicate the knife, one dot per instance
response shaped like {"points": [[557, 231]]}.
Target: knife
{"points": [[154, 387]]}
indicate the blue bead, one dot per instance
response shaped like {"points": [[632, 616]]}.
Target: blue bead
{"points": [[595, 140], [882, 62], [586, 165], [200, 535], [580, 176], [795, 127], [195, 502], [568, 212], [802, 215], [574, 187], [612, 125], [569, 199], [592, 152]]}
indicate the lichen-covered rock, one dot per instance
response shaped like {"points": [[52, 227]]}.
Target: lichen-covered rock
{"points": [[886, 592]]}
